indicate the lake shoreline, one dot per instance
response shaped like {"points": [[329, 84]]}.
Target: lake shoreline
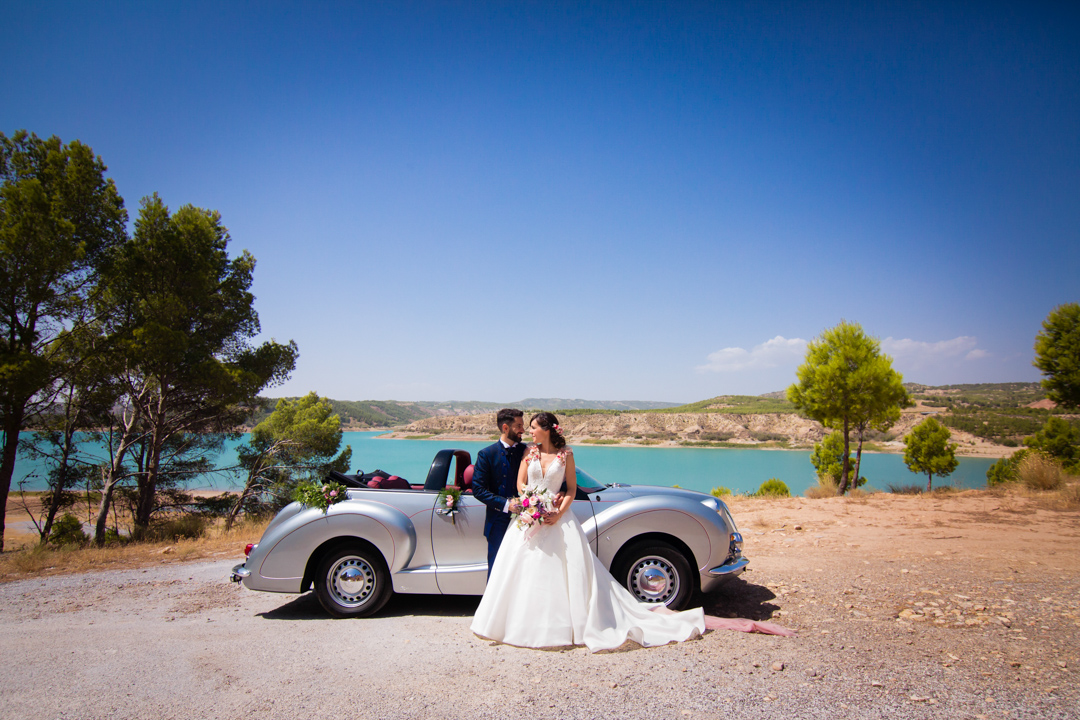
{"points": [[993, 451]]}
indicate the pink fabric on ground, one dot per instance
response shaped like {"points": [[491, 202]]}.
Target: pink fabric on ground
{"points": [[745, 625]]}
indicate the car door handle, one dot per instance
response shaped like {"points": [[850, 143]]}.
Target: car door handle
{"points": [[442, 511]]}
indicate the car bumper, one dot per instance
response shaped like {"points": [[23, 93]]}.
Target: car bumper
{"points": [[239, 573], [717, 576]]}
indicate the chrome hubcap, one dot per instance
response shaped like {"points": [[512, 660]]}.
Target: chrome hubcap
{"points": [[351, 581], [654, 580]]}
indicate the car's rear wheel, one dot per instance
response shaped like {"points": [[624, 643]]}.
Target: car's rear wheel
{"points": [[655, 572], [352, 582]]}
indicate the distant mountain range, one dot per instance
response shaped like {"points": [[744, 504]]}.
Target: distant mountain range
{"points": [[387, 413]]}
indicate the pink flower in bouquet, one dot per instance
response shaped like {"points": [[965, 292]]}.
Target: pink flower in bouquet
{"points": [[325, 488], [333, 493], [449, 501], [525, 502]]}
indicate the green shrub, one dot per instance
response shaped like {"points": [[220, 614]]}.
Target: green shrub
{"points": [[1004, 470], [904, 489], [185, 526], [114, 538], [774, 488], [217, 505], [67, 531], [720, 491]]}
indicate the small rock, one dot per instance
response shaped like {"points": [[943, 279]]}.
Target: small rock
{"points": [[919, 698], [798, 527], [875, 683], [1062, 664], [613, 685], [165, 551], [778, 666]]}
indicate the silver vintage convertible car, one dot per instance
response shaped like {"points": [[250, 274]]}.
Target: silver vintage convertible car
{"points": [[390, 536]]}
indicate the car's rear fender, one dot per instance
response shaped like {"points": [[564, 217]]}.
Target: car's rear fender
{"points": [[307, 535]]}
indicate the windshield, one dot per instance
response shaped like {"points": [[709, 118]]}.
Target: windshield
{"points": [[587, 483]]}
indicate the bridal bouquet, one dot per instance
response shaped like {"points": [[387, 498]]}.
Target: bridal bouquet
{"points": [[537, 505]]}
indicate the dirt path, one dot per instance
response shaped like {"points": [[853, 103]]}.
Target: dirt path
{"points": [[985, 589]]}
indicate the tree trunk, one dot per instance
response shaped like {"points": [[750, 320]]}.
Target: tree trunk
{"points": [[858, 462], [929, 479], [114, 475], [844, 465], [12, 424]]}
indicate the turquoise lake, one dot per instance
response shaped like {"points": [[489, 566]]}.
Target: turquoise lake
{"points": [[740, 470]]}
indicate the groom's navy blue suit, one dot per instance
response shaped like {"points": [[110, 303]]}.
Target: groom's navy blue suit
{"points": [[494, 482]]}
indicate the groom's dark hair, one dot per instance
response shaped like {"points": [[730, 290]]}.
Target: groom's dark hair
{"points": [[506, 417]]}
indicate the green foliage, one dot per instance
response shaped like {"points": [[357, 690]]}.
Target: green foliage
{"points": [[721, 491], [904, 489], [929, 451], [774, 487], [216, 506], [320, 495], [60, 219], [735, 404], [1004, 470], [828, 458], [184, 527], [599, 441], [846, 383], [68, 530], [984, 395], [1057, 354], [181, 314], [295, 443], [369, 413], [1059, 440], [995, 425]]}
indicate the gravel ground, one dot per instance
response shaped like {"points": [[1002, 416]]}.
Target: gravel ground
{"points": [[909, 620]]}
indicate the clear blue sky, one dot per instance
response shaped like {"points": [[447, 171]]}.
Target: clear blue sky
{"points": [[654, 201]]}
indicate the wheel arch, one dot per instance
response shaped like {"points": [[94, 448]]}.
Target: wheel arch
{"points": [[332, 545]]}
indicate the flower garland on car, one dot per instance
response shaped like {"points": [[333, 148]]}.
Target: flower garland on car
{"points": [[322, 496], [450, 498]]}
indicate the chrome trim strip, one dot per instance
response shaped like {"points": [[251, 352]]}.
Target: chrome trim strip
{"points": [[453, 569], [730, 568]]}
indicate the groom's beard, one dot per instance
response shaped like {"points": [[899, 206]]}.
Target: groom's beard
{"points": [[513, 437]]}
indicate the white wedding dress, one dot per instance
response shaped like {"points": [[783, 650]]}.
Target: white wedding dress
{"points": [[550, 590]]}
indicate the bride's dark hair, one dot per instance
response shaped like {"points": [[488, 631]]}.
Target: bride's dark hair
{"points": [[549, 422]]}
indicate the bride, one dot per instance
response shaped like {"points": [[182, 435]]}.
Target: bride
{"points": [[548, 589]]}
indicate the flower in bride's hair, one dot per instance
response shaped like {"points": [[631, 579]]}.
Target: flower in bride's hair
{"points": [[554, 427]]}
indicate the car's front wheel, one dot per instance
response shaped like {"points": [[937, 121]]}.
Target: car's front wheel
{"points": [[352, 582], [655, 572]]}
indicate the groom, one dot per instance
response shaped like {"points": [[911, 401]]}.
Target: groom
{"points": [[494, 478]]}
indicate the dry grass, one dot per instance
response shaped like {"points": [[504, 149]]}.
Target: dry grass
{"points": [[1066, 497], [819, 491], [36, 561], [1038, 472]]}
